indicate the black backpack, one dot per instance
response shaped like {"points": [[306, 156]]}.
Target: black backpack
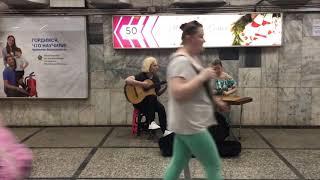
{"points": [[229, 148]]}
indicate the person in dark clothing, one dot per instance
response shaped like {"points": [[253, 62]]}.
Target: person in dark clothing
{"points": [[150, 104]]}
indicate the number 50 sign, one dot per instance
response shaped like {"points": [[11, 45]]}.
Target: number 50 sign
{"points": [[131, 31], [134, 31]]}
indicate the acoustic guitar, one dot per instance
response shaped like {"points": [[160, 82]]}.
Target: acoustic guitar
{"points": [[136, 94]]}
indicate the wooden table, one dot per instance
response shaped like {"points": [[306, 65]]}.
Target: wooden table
{"points": [[237, 100]]}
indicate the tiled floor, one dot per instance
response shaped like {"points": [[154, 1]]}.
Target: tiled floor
{"points": [[113, 153]]}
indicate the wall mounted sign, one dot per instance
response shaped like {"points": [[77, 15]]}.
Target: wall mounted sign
{"points": [[220, 30], [54, 48]]}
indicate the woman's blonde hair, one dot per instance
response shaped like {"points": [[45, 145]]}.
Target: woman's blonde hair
{"points": [[147, 62]]}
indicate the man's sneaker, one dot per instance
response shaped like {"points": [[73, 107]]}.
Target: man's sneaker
{"points": [[154, 125], [166, 132]]}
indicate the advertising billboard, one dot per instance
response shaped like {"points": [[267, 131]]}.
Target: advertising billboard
{"points": [[43, 57], [220, 30]]}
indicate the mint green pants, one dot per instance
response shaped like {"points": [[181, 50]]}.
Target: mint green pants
{"points": [[203, 147]]}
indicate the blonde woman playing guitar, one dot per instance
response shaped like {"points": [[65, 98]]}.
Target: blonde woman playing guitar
{"points": [[136, 94], [142, 90]]}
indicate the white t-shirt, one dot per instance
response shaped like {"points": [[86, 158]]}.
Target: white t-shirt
{"points": [[20, 62], [192, 115]]}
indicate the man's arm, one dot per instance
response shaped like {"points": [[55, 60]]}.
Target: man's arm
{"points": [[6, 84], [9, 86]]}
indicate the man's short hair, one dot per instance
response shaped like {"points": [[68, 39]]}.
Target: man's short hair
{"points": [[8, 56]]}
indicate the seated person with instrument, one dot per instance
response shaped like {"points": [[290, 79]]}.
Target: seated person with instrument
{"points": [[224, 84], [144, 89]]}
